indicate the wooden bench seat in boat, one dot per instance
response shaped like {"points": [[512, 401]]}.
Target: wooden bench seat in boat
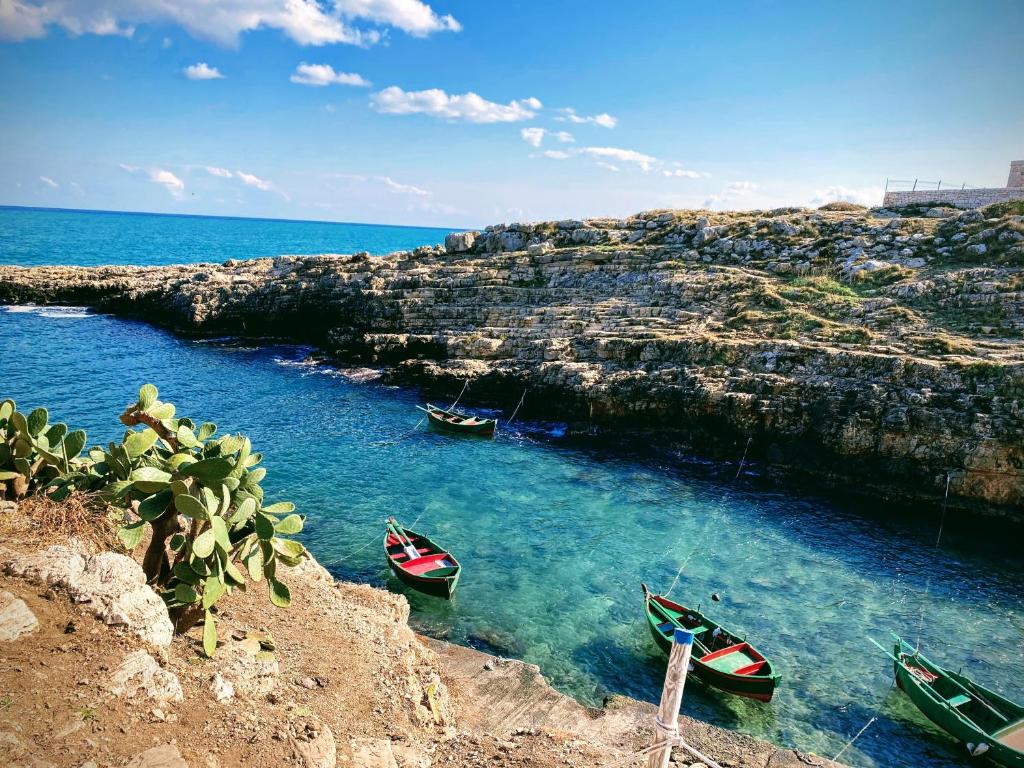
{"points": [[1012, 735]]}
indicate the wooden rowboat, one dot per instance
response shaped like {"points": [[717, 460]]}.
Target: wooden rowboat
{"points": [[989, 724], [419, 562], [720, 658], [454, 421]]}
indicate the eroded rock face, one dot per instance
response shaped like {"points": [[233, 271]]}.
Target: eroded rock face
{"points": [[879, 350], [111, 585]]}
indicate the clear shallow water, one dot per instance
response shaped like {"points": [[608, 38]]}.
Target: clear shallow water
{"points": [[34, 236], [555, 536]]}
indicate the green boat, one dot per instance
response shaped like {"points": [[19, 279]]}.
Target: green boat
{"points": [[720, 658], [449, 420], [419, 562], [989, 724]]}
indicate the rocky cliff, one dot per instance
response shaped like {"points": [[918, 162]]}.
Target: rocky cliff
{"points": [[879, 350]]}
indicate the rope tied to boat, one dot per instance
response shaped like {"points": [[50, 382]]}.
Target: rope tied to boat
{"points": [[673, 739], [464, 388], [744, 459], [872, 719], [512, 418]]}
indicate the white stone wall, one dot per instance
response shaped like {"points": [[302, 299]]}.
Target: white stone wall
{"points": [[1016, 180], [958, 198]]}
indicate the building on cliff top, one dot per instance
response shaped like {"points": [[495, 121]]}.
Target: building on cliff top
{"points": [[968, 197]]}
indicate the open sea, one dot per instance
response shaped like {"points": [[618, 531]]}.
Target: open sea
{"points": [[555, 533]]}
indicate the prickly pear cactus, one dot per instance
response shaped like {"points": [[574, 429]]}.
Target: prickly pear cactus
{"points": [[200, 496], [36, 455]]}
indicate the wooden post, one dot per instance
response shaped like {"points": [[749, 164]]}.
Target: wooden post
{"points": [[666, 725]]}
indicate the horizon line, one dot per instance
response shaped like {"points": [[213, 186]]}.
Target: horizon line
{"points": [[4, 206]]}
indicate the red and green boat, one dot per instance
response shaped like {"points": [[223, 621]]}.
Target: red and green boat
{"points": [[989, 724], [449, 420], [419, 562], [720, 658]]}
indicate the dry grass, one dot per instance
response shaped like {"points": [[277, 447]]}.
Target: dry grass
{"points": [[40, 521]]}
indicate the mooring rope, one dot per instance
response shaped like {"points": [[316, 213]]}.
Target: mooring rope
{"points": [[672, 741], [521, 399], [744, 459], [707, 523], [873, 718], [464, 388], [945, 503]]}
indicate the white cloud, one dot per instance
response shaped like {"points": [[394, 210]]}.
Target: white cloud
{"points": [[411, 16], [202, 71], [49, 182], [251, 180], [320, 75], [170, 182], [862, 196], [532, 136], [732, 192], [644, 162], [604, 119], [307, 22], [402, 189], [682, 173], [223, 173], [469, 107], [382, 182], [608, 166], [555, 154]]}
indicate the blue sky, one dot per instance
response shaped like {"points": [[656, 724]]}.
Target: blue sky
{"points": [[174, 107]]}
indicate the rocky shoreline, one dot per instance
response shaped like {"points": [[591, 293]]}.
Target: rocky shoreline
{"points": [[92, 676], [877, 351]]}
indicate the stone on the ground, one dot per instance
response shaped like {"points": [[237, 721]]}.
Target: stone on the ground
{"points": [[113, 586], [369, 753], [15, 617], [140, 673], [164, 756], [243, 670], [315, 747], [222, 690]]}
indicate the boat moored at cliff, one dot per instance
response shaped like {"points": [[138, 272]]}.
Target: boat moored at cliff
{"points": [[720, 658], [419, 562], [449, 420], [989, 724]]}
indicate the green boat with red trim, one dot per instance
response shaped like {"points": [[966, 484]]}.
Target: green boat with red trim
{"points": [[989, 724], [449, 420], [419, 562], [720, 658]]}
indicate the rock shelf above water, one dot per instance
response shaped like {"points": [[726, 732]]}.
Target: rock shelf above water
{"points": [[875, 350]]}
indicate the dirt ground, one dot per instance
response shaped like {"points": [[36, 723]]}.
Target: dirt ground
{"points": [[350, 675]]}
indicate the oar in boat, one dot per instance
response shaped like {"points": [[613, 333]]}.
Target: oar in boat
{"points": [[985, 721], [720, 657], [419, 562], [403, 538]]}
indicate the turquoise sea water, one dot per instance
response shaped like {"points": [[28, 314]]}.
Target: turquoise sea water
{"points": [[34, 236], [556, 533]]}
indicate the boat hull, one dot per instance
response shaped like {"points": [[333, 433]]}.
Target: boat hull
{"points": [[757, 687], [941, 711], [482, 427], [444, 579]]}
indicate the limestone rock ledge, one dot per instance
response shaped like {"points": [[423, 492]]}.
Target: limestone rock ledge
{"points": [[875, 351]]}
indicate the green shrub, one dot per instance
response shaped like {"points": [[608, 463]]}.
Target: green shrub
{"points": [[199, 495], [34, 454], [201, 498]]}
